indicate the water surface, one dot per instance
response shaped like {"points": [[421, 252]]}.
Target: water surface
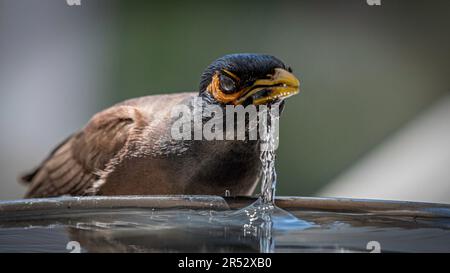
{"points": [[230, 230]]}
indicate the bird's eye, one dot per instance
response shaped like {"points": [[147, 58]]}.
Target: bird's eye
{"points": [[227, 85]]}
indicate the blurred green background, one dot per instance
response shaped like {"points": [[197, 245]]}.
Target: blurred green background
{"points": [[365, 70]]}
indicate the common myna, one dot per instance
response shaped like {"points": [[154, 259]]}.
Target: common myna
{"points": [[128, 148]]}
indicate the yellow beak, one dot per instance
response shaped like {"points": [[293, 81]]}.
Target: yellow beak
{"points": [[281, 85]]}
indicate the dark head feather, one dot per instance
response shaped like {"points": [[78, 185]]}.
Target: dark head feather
{"points": [[247, 66]]}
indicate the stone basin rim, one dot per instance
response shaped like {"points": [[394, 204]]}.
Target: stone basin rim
{"points": [[338, 205]]}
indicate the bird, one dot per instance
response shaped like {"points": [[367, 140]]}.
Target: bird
{"points": [[127, 149]]}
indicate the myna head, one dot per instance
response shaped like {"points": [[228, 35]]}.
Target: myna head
{"points": [[243, 79]]}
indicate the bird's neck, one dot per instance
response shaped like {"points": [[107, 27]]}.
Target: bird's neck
{"points": [[213, 121]]}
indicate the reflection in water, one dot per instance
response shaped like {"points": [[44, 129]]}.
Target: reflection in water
{"points": [[246, 230], [182, 230]]}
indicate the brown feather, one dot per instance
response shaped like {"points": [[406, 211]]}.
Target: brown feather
{"points": [[71, 167], [128, 149]]}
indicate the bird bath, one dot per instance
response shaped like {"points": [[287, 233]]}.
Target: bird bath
{"points": [[216, 224]]}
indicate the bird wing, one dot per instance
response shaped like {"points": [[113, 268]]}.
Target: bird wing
{"points": [[74, 166]]}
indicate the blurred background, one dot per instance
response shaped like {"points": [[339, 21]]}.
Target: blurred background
{"points": [[372, 120]]}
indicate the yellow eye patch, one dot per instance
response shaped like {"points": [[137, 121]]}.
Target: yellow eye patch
{"points": [[218, 94]]}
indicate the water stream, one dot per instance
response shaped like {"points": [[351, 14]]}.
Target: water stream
{"points": [[267, 157], [259, 217]]}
